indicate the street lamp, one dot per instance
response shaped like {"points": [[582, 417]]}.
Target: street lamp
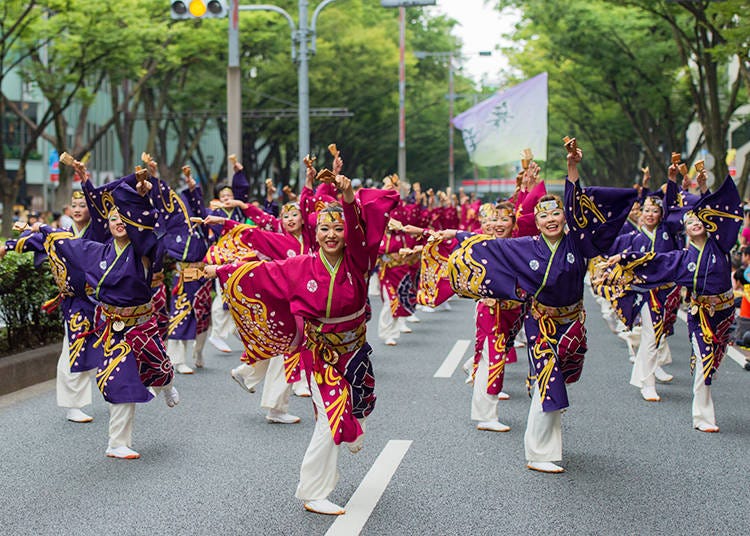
{"points": [[302, 49], [451, 102], [401, 5]]}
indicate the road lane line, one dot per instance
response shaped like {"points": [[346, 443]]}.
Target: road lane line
{"points": [[455, 356], [362, 503], [734, 354]]}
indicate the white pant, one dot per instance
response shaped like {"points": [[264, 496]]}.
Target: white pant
{"points": [[703, 404], [319, 472], [73, 388], [388, 326], [221, 320], [178, 349], [483, 405], [543, 437], [121, 419], [646, 360], [276, 390]]}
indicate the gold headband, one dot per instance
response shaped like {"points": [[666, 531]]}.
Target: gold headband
{"points": [[330, 215], [505, 213], [487, 210], [78, 195], [544, 206], [288, 207], [689, 214]]}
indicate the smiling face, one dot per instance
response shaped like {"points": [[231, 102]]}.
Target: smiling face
{"points": [[551, 223], [292, 220], [651, 215], [330, 237], [79, 211], [116, 226], [488, 225], [504, 226], [694, 228]]}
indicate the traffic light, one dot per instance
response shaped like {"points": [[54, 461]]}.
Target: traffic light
{"points": [[198, 9]]}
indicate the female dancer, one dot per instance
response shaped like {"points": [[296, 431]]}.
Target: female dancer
{"points": [[79, 357], [119, 273], [704, 268], [330, 298], [548, 272]]}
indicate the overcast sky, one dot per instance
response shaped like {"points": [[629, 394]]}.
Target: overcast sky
{"points": [[480, 28]]}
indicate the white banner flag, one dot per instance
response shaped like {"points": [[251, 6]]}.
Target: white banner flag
{"points": [[496, 130]]}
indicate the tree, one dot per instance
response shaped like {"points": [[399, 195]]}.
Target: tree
{"points": [[614, 84], [17, 20]]}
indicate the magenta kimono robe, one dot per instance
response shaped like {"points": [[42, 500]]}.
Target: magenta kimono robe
{"points": [[266, 298], [550, 278], [133, 353], [706, 272]]}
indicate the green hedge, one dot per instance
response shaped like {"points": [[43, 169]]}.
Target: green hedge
{"points": [[23, 290]]}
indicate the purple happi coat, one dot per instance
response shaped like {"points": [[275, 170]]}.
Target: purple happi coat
{"points": [[550, 278], [705, 271], [124, 325]]}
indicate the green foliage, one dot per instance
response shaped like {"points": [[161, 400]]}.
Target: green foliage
{"points": [[613, 82], [23, 289]]}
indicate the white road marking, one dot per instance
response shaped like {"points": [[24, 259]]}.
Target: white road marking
{"points": [[367, 495], [734, 354], [450, 363]]}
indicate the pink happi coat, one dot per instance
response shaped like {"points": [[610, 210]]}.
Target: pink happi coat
{"points": [[265, 298]]}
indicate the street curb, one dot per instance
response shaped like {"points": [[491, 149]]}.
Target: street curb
{"points": [[28, 368]]}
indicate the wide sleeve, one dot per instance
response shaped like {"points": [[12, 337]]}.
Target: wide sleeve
{"points": [[595, 215], [257, 294], [139, 218], [28, 242], [366, 220], [721, 214], [649, 270], [71, 259], [232, 246], [484, 267], [262, 219], [240, 187]]}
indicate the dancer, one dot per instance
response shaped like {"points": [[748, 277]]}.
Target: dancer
{"points": [[79, 357], [328, 291], [704, 268], [548, 273], [119, 272]]}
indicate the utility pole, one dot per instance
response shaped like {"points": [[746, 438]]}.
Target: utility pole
{"points": [[401, 5], [303, 38]]}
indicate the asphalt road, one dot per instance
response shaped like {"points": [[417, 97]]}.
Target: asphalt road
{"points": [[213, 465]]}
